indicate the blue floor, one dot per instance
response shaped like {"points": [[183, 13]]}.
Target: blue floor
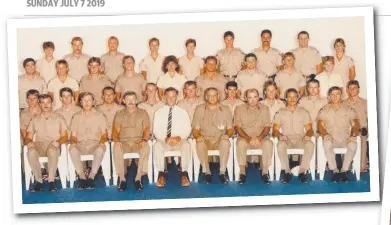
{"points": [[173, 190]]}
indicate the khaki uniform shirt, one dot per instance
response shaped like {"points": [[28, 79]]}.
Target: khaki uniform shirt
{"points": [[46, 69], [286, 80], [89, 127], [151, 109], [231, 107], [152, 67], [306, 60], [25, 117], [313, 106], [212, 123], [204, 82], [131, 124], [24, 84], [135, 82], [278, 104], [230, 63], [342, 67], [68, 113], [110, 113], [190, 106], [112, 65], [47, 129], [252, 120], [293, 123], [78, 66], [267, 62], [250, 79], [191, 67], [95, 85], [55, 85], [337, 122], [361, 109]]}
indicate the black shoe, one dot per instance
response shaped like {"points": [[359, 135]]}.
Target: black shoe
{"points": [[52, 187], [138, 185], [122, 186], [223, 179], [303, 178], [266, 179], [37, 187], [90, 184], [208, 178], [335, 178], [344, 177], [286, 178], [82, 184], [242, 179]]}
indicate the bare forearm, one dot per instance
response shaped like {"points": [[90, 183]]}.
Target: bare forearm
{"points": [[242, 134], [146, 133], [103, 138], [196, 133], [63, 139], [230, 132], [264, 133]]}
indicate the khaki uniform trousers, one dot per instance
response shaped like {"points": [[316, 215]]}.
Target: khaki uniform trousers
{"points": [[282, 151], [267, 151], [89, 147], [330, 155], [43, 149], [183, 146], [213, 143]]}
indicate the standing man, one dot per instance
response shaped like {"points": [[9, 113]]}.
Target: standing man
{"points": [[60, 81], [230, 59], [88, 136], [46, 66], [50, 130], [252, 123], [112, 60], [109, 107], [67, 107], [292, 120], [191, 65], [308, 59], [334, 122], [212, 128], [211, 78], [344, 64], [151, 65], [30, 80], [269, 60], [360, 106], [77, 60], [171, 128], [131, 129], [191, 100], [232, 101]]}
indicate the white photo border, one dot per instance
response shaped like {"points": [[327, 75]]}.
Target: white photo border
{"points": [[14, 24]]}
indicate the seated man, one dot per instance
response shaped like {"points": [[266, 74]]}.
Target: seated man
{"points": [[88, 136], [48, 138], [252, 123], [334, 121], [171, 128], [131, 134], [293, 119], [212, 128]]}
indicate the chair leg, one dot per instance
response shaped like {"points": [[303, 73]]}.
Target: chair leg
{"points": [[151, 163], [71, 169], [230, 164], [196, 160], [115, 175], [277, 164], [236, 163], [357, 159], [27, 169], [63, 167], [321, 158]]}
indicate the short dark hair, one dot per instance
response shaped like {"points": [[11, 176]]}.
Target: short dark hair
{"points": [[127, 57], [152, 40], [288, 54], [77, 39], [129, 93], [32, 92], [107, 88], [189, 83], [303, 32], [229, 33], [251, 90], [62, 61], [266, 31], [167, 60], [45, 96], [290, 90], [189, 41], [314, 81], [250, 55], [334, 88], [94, 59], [171, 89], [231, 84], [353, 82], [48, 44], [27, 60], [211, 57], [84, 94], [66, 89]]}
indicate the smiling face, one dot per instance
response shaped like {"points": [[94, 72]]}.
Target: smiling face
{"points": [[129, 64], [49, 52], [231, 91], [113, 44], [154, 46], [212, 97], [266, 38], [353, 90], [270, 92], [94, 67], [66, 98], [339, 47], [252, 98], [32, 101], [171, 66], [130, 101], [211, 65], [329, 66], [335, 96], [30, 67], [289, 61], [190, 91], [251, 63], [87, 102], [313, 89], [151, 90], [77, 47], [291, 99], [108, 96], [171, 97], [190, 48], [61, 69]]}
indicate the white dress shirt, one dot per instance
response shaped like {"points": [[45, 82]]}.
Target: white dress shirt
{"points": [[180, 124]]}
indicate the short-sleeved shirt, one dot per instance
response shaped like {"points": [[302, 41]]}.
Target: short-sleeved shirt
{"points": [[361, 108], [177, 81], [204, 82], [252, 120], [267, 61], [68, 113], [191, 67], [89, 127], [190, 106], [25, 117], [47, 68], [230, 63], [24, 84], [134, 82], [328, 81], [286, 80], [47, 129], [337, 122], [212, 123], [110, 113], [232, 107], [250, 79], [152, 67], [151, 109], [112, 65], [78, 66], [278, 104], [95, 85], [55, 86], [292, 123], [342, 67], [131, 125], [313, 106], [306, 60]]}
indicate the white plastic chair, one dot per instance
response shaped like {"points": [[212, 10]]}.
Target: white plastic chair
{"points": [[251, 152], [105, 165], [133, 156], [176, 154], [294, 151], [62, 167], [322, 158], [197, 162]]}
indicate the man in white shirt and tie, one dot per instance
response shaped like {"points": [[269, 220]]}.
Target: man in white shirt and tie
{"points": [[172, 127]]}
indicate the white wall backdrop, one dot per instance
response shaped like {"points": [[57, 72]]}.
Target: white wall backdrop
{"points": [[209, 36]]}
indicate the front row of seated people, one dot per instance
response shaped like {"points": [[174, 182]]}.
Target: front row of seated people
{"points": [[212, 126]]}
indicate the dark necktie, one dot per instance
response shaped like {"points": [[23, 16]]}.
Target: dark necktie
{"points": [[169, 123]]}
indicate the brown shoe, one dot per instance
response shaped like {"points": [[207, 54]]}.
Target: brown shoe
{"points": [[184, 181], [162, 180]]}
